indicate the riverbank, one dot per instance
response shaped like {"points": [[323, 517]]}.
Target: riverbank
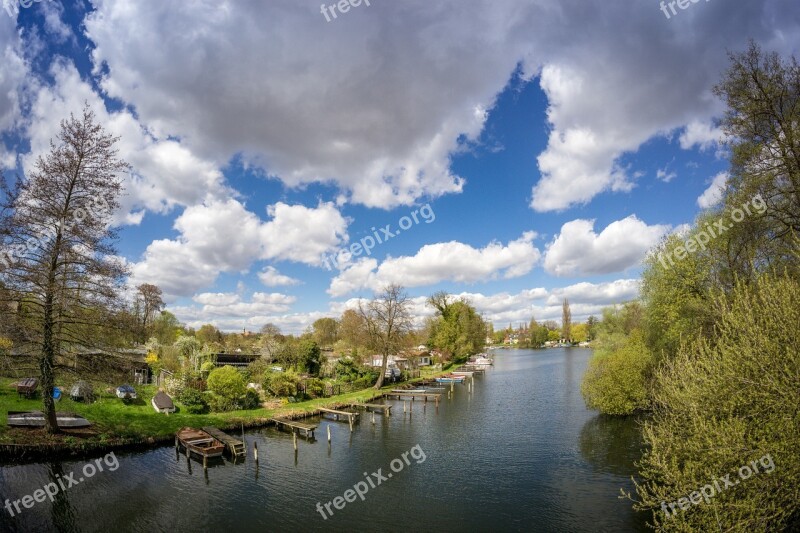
{"points": [[118, 425]]}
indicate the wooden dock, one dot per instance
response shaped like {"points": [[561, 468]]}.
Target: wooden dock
{"points": [[295, 426], [400, 394], [235, 446], [382, 407], [351, 417]]}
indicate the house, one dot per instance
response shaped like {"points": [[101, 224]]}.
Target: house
{"points": [[423, 360]]}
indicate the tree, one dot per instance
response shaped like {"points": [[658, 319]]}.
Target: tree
{"points": [[386, 319], [762, 126], [147, 305], [62, 263], [270, 341], [591, 324], [228, 384], [166, 328], [325, 331], [352, 329], [566, 321], [309, 356], [209, 334], [458, 329]]}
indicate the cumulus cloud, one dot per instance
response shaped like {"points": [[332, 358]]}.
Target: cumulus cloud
{"points": [[223, 236], [713, 194], [578, 250], [270, 277], [435, 263], [665, 175], [702, 134]]}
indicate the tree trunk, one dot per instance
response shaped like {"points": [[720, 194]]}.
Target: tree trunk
{"points": [[46, 369], [379, 383]]}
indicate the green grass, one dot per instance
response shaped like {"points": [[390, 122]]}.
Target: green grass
{"points": [[114, 419]]}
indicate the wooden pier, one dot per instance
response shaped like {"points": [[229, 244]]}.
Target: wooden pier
{"points": [[351, 417], [413, 394], [235, 446], [295, 426], [381, 407]]}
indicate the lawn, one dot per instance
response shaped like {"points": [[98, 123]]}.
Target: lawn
{"points": [[114, 419]]}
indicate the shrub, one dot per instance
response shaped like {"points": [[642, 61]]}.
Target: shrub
{"points": [[366, 381], [617, 383], [281, 384], [193, 401], [227, 383], [315, 388], [251, 400], [724, 403]]}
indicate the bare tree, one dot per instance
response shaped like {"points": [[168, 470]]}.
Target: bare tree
{"points": [[387, 320], [59, 260], [147, 306]]}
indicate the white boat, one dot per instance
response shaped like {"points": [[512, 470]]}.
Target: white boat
{"points": [[482, 360], [463, 373], [126, 392], [163, 403]]}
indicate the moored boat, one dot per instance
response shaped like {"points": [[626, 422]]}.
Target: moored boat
{"points": [[450, 378], [466, 373], [35, 419], [200, 443], [126, 392], [481, 359], [163, 403]]}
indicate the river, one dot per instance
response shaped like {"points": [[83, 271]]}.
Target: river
{"points": [[518, 452]]}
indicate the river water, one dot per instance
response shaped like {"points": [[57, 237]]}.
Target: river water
{"points": [[518, 452]]}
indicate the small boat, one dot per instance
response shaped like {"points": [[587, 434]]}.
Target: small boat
{"points": [[163, 403], [200, 443], [126, 392], [450, 378], [27, 387], [482, 360], [35, 419], [465, 373]]}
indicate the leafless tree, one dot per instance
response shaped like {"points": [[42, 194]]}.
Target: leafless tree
{"points": [[387, 320], [58, 259]]}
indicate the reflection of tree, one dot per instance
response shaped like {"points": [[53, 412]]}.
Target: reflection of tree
{"points": [[612, 443], [62, 513]]}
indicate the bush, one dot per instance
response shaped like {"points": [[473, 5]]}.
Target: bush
{"points": [[617, 383], [227, 383], [193, 401], [724, 403], [251, 400], [315, 388], [366, 381], [221, 404], [281, 384]]}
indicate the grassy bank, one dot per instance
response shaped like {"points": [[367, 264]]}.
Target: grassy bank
{"points": [[116, 423]]}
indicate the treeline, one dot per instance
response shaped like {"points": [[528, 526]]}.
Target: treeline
{"points": [[710, 351]]}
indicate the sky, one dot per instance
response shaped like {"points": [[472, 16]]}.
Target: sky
{"points": [[515, 153]]}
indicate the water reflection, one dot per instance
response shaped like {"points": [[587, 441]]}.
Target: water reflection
{"points": [[612, 444], [61, 512]]}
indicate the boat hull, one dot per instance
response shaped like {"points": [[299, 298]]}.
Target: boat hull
{"points": [[36, 419], [200, 443]]}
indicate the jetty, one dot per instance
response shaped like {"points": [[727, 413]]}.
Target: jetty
{"points": [[349, 415], [413, 394], [235, 446], [372, 407], [295, 426]]}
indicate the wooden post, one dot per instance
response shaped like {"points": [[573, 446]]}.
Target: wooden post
{"points": [[373, 417], [451, 386], [350, 420], [294, 438], [205, 462], [329, 433], [255, 451], [404, 406]]}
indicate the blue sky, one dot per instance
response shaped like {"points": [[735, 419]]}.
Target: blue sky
{"points": [[555, 142]]}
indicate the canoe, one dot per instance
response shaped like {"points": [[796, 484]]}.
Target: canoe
{"points": [[36, 419], [163, 403], [126, 392], [200, 443]]}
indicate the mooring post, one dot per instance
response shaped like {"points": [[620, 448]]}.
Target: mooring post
{"points": [[350, 420], [255, 451], [373, 417], [404, 406], [329, 433], [294, 438], [205, 462]]}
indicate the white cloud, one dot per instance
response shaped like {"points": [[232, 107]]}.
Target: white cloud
{"points": [[665, 175], [223, 236], [702, 134], [577, 250], [270, 277], [713, 194], [435, 263]]}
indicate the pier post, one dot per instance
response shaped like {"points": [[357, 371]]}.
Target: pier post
{"points": [[255, 451], [205, 462], [350, 420], [329, 433], [294, 438], [373, 418]]}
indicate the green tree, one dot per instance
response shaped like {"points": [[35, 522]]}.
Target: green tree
{"points": [[458, 329], [325, 331], [166, 328], [387, 321], [227, 383], [566, 321], [309, 357]]}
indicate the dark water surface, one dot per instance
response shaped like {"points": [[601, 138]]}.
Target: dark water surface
{"points": [[520, 452]]}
